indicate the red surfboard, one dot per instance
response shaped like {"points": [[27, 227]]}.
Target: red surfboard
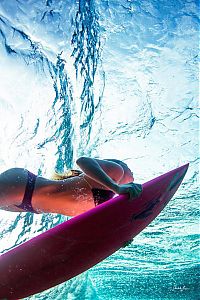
{"points": [[80, 243]]}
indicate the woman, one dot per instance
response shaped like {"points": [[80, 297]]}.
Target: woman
{"points": [[22, 191]]}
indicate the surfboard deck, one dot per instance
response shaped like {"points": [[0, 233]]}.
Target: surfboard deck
{"points": [[76, 245]]}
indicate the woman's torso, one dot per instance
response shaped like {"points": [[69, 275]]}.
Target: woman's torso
{"points": [[71, 196]]}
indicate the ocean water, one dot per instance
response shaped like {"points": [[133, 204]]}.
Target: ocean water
{"points": [[108, 79]]}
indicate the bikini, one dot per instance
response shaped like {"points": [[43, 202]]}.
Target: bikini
{"points": [[99, 195], [26, 202]]}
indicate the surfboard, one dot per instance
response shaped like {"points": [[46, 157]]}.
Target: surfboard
{"points": [[78, 244]]}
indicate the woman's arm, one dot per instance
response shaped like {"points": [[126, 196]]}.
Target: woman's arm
{"points": [[98, 170], [128, 174], [109, 174]]}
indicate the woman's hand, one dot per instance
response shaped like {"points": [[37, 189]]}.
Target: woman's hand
{"points": [[133, 189]]}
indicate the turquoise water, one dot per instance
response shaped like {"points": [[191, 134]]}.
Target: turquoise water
{"points": [[108, 79]]}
